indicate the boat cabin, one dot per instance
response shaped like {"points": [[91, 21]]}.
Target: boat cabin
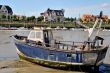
{"points": [[44, 37], [41, 36]]}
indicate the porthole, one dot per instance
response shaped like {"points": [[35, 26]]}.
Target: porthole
{"points": [[69, 55]]}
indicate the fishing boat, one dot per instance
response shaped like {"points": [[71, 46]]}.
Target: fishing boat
{"points": [[40, 47]]}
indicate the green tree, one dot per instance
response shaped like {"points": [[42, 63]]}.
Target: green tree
{"points": [[108, 21], [0, 16], [3, 17], [40, 18], [31, 18], [23, 18], [9, 17], [67, 19], [71, 19], [14, 17]]}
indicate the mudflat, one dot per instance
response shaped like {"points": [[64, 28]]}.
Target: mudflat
{"points": [[21, 66]]}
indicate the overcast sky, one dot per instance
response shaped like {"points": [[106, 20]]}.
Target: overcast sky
{"points": [[73, 8]]}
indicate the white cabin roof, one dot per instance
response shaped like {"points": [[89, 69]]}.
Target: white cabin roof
{"points": [[36, 35]]}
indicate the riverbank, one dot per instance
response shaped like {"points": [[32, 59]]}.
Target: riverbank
{"points": [[48, 24], [21, 66]]}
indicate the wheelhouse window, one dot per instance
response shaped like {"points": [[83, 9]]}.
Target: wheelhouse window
{"points": [[45, 34], [46, 38], [38, 34], [32, 35]]}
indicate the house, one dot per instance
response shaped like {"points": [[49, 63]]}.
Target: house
{"points": [[91, 18], [53, 15], [19, 17], [5, 12], [4, 9], [88, 17]]}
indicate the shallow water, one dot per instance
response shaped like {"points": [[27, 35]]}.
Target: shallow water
{"points": [[8, 49]]}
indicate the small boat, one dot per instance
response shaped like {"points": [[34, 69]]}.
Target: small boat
{"points": [[40, 47]]}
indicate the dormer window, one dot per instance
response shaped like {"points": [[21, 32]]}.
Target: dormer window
{"points": [[58, 13], [62, 13]]}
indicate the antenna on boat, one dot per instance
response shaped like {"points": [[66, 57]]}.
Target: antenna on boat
{"points": [[100, 17]]}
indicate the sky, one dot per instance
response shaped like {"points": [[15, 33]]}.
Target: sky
{"points": [[73, 8]]}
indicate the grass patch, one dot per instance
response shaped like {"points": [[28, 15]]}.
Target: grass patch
{"points": [[53, 25]]}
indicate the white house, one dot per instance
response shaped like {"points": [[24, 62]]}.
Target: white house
{"points": [[5, 10], [53, 15]]}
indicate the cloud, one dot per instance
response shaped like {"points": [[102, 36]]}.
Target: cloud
{"points": [[74, 12], [105, 5], [88, 9], [80, 10]]}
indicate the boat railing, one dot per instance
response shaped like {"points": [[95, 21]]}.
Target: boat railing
{"points": [[74, 45], [64, 46], [68, 45], [56, 45]]}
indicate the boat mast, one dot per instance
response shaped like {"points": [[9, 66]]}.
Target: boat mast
{"points": [[91, 30]]}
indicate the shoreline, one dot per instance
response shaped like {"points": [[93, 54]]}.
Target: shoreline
{"points": [[21, 66], [49, 24]]}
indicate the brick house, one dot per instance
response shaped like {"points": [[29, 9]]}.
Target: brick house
{"points": [[91, 18]]}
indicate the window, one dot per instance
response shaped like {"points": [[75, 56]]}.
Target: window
{"points": [[32, 35], [51, 56], [5, 11], [69, 55], [46, 34], [58, 13], [38, 34]]}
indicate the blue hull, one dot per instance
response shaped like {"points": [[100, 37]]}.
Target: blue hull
{"points": [[58, 58], [51, 55]]}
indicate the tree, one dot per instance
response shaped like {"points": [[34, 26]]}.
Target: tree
{"points": [[40, 18], [9, 17], [67, 19], [0, 16], [23, 18], [70, 19], [3, 16], [31, 18], [14, 17], [108, 21]]}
